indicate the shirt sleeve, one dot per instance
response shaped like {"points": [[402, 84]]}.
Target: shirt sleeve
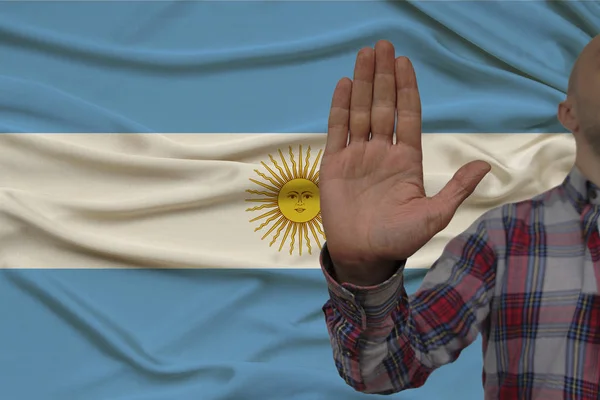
{"points": [[384, 341]]}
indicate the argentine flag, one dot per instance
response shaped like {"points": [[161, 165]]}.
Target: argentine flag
{"points": [[159, 180]]}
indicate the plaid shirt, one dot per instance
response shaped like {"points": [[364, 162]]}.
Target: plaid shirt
{"points": [[525, 276]]}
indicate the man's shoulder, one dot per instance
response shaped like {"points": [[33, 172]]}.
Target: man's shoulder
{"points": [[503, 222], [522, 209]]}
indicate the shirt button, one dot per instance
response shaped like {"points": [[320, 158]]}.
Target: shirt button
{"points": [[350, 305]]}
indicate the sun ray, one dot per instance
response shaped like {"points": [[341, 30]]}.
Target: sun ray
{"points": [[304, 173], [264, 215], [311, 225], [275, 225], [300, 237], [285, 223], [288, 175], [261, 207], [293, 237], [299, 169], [288, 227], [314, 169], [276, 187], [279, 180], [264, 185], [318, 227], [274, 202], [294, 165], [282, 174], [261, 193], [308, 245]]}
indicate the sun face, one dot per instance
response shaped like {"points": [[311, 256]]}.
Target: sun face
{"points": [[298, 200], [290, 200]]}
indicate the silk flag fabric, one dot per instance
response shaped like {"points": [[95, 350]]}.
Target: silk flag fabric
{"points": [[159, 218]]}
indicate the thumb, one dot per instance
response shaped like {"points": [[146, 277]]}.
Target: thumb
{"points": [[456, 191]]}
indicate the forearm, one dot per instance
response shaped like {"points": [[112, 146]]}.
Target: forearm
{"points": [[363, 323], [384, 341], [361, 346], [386, 347]]}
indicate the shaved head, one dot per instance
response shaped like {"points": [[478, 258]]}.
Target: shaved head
{"points": [[580, 112], [572, 80]]}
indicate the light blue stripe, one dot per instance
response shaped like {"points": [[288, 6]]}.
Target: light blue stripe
{"points": [[271, 66], [181, 334]]}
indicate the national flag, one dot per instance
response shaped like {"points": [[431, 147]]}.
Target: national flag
{"points": [[159, 185]]}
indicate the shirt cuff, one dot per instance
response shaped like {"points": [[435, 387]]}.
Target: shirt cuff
{"points": [[363, 306]]}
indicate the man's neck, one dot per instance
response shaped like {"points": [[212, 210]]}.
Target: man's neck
{"points": [[588, 163]]}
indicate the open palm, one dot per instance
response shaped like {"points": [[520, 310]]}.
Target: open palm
{"points": [[373, 202]]}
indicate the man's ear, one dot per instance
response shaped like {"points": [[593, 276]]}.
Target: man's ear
{"points": [[567, 117]]}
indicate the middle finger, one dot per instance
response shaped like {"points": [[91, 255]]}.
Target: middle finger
{"points": [[362, 96], [383, 113]]}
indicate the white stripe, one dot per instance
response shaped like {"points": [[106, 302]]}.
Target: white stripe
{"points": [[178, 200]]}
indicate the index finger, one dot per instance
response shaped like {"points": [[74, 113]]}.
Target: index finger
{"points": [[339, 115], [408, 105]]}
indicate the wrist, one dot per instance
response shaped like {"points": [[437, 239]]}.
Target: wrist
{"points": [[364, 275]]}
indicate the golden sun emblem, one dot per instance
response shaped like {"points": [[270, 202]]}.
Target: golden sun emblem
{"points": [[291, 197]]}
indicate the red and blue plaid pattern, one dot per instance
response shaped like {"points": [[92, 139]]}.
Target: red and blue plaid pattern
{"points": [[525, 276]]}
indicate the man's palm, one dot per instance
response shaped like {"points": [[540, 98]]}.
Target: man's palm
{"points": [[373, 201]]}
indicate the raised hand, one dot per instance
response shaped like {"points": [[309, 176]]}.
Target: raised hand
{"points": [[373, 202]]}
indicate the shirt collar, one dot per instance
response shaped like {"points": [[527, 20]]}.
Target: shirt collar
{"points": [[580, 191]]}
